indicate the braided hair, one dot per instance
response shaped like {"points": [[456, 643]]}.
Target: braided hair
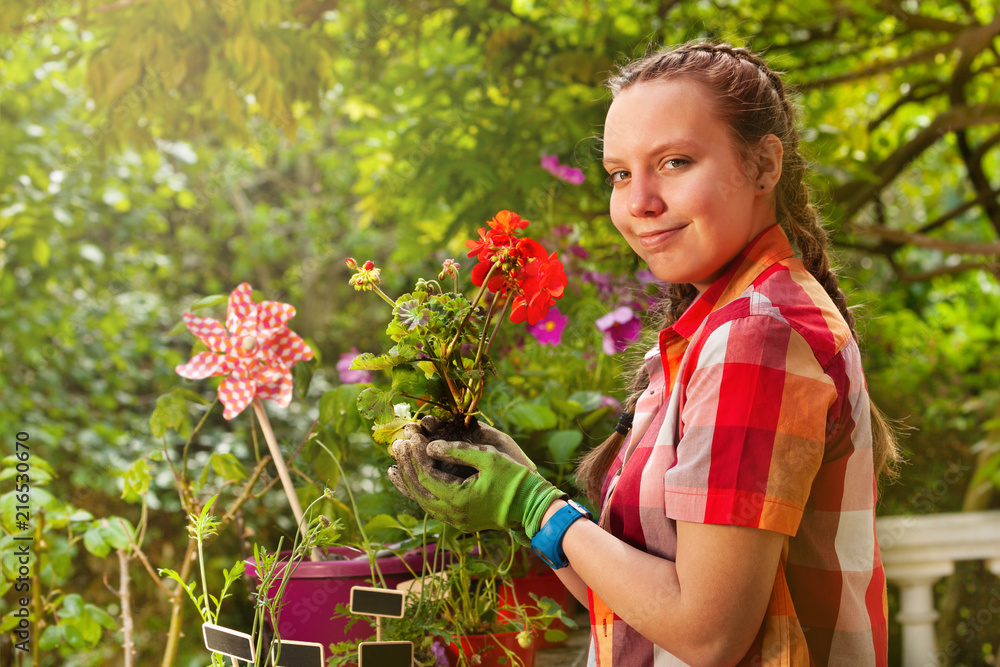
{"points": [[753, 102]]}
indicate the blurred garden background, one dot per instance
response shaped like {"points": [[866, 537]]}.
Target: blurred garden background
{"points": [[157, 153]]}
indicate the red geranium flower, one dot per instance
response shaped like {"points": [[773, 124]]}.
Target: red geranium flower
{"points": [[542, 282]]}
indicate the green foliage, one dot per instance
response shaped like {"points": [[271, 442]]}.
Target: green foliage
{"points": [[153, 155]]}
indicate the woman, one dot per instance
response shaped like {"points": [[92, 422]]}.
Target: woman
{"points": [[738, 512]]}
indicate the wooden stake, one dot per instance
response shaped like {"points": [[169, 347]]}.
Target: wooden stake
{"points": [[378, 628], [279, 463]]}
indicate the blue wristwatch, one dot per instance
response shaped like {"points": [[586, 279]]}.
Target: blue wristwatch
{"points": [[547, 542]]}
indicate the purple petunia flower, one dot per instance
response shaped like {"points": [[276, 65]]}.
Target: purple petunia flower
{"points": [[550, 163], [549, 329], [440, 657], [621, 326], [348, 376]]}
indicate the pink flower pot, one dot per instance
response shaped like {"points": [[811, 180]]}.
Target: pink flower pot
{"points": [[315, 589]]}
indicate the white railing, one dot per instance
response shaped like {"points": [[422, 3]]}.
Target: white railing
{"points": [[919, 550]]}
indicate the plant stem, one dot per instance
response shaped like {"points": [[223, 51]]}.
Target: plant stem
{"points": [[496, 329], [207, 615], [124, 594], [461, 327], [384, 296], [357, 517], [190, 439], [478, 394], [177, 608]]}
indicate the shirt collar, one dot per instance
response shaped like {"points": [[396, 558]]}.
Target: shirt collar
{"points": [[766, 249]]}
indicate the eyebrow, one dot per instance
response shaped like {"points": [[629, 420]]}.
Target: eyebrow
{"points": [[676, 144]]}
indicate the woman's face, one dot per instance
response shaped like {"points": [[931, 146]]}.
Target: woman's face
{"points": [[681, 196]]}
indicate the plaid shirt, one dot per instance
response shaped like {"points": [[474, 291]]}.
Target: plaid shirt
{"points": [[766, 424]]}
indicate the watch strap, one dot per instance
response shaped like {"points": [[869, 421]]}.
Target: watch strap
{"points": [[547, 543]]}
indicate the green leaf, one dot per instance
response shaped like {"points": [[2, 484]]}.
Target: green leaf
{"points": [[136, 481], [191, 396], [567, 409], [103, 618], [382, 521], [208, 301], [170, 412], [95, 542], [227, 466], [588, 400], [338, 407], [72, 606], [562, 445], [74, 637], [555, 636], [52, 637], [179, 328], [369, 362], [373, 403], [389, 431], [532, 417], [114, 533]]}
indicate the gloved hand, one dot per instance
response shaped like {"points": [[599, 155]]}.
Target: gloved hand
{"points": [[506, 492]]}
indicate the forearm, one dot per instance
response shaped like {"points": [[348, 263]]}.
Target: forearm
{"points": [[644, 591], [572, 581]]}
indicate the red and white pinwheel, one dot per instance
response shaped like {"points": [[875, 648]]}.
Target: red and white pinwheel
{"points": [[255, 350]]}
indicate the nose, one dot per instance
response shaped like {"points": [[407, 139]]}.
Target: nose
{"points": [[644, 199]]}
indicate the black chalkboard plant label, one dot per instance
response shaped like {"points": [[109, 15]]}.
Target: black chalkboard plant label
{"points": [[381, 602], [385, 654], [230, 643], [288, 653]]}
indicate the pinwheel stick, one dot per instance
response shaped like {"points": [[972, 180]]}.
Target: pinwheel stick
{"points": [[279, 463]]}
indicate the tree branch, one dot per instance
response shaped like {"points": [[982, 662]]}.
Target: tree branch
{"points": [[943, 270], [915, 95], [879, 68], [124, 4], [853, 194], [957, 211], [928, 242], [977, 175], [921, 22], [987, 144]]}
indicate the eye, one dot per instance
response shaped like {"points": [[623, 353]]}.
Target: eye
{"points": [[674, 163], [617, 176]]}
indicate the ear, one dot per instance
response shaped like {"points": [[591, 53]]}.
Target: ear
{"points": [[769, 154]]}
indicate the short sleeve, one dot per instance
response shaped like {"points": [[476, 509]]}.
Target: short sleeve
{"points": [[753, 428]]}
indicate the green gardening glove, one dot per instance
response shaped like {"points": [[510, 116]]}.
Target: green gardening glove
{"points": [[504, 493]]}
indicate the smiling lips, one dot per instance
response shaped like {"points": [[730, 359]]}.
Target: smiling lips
{"points": [[658, 237]]}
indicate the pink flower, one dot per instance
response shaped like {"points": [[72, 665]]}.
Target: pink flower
{"points": [[549, 329], [347, 374], [621, 327], [611, 402], [550, 163], [255, 350]]}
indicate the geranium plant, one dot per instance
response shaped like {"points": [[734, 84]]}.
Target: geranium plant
{"points": [[443, 340]]}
